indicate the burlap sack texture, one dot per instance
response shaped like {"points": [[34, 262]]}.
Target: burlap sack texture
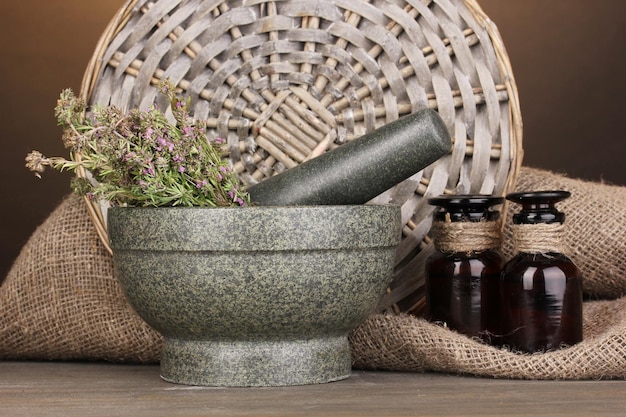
{"points": [[404, 343], [61, 301], [596, 236]]}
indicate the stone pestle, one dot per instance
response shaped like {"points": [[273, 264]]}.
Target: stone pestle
{"points": [[360, 170]]}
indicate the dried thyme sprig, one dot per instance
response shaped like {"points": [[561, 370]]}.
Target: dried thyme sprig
{"points": [[139, 158]]}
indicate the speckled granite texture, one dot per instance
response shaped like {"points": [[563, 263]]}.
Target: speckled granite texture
{"points": [[258, 296], [256, 362], [360, 170]]}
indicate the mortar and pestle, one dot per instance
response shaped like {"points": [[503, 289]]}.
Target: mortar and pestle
{"points": [[267, 295]]}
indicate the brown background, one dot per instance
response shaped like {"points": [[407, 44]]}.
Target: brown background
{"points": [[567, 55]]}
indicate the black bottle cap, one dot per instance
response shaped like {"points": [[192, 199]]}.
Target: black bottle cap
{"points": [[538, 206], [472, 207]]}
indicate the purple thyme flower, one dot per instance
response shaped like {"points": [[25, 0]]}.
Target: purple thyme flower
{"points": [[161, 142]]}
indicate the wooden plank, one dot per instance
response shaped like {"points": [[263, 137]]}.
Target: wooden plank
{"points": [[99, 389]]}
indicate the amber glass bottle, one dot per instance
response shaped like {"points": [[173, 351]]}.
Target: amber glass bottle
{"points": [[541, 298], [463, 275]]}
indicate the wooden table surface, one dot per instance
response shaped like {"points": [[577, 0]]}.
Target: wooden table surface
{"points": [[100, 389]]}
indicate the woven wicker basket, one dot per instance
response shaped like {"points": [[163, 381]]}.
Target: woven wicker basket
{"points": [[284, 81]]}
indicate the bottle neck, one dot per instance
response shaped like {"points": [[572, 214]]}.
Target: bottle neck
{"points": [[466, 223], [539, 238], [466, 237], [467, 216], [465, 208], [538, 213], [538, 207]]}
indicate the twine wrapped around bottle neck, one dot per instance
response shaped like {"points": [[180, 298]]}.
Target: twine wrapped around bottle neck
{"points": [[466, 237], [539, 238]]}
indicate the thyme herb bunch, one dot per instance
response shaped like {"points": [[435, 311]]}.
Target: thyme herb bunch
{"points": [[141, 159]]}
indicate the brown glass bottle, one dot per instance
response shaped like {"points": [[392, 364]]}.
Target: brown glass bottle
{"points": [[463, 276], [541, 289]]}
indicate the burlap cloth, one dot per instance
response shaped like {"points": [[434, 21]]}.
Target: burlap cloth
{"points": [[60, 301]]}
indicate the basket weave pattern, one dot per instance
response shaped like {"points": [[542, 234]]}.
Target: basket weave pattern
{"points": [[284, 81]]}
